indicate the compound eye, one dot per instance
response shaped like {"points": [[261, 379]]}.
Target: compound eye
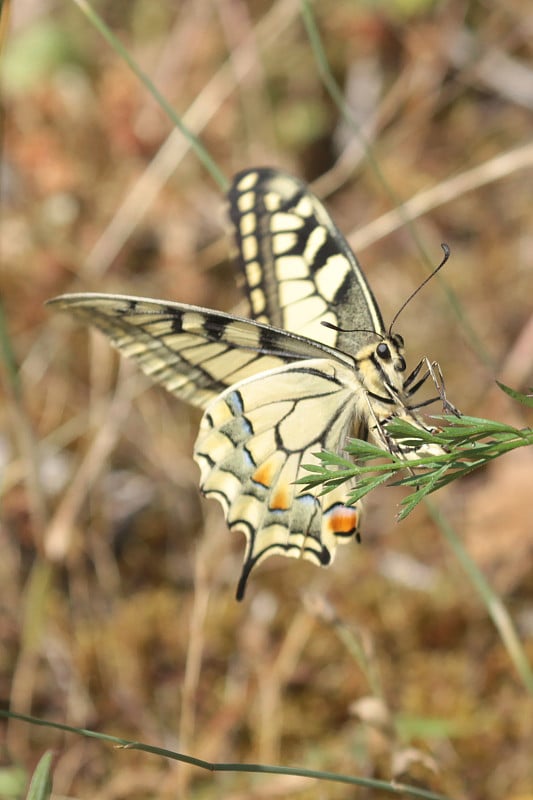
{"points": [[401, 365], [383, 351]]}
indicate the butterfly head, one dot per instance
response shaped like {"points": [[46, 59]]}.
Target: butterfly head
{"points": [[381, 367], [390, 351]]}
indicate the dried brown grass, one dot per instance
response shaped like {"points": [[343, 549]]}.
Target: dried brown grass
{"points": [[116, 586]]}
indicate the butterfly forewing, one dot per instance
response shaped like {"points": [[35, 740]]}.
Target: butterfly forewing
{"points": [[193, 352], [299, 270]]}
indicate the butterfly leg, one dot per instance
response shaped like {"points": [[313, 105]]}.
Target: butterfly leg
{"points": [[438, 379], [434, 372], [411, 377]]}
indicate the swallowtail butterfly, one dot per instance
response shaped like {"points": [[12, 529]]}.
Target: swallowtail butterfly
{"points": [[281, 386]]}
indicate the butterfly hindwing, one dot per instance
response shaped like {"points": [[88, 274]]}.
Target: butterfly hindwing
{"points": [[254, 440]]}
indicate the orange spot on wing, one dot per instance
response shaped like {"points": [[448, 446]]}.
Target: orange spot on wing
{"points": [[264, 474], [343, 520], [280, 500]]}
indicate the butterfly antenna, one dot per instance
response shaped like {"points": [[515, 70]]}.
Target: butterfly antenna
{"points": [[338, 329], [446, 251]]}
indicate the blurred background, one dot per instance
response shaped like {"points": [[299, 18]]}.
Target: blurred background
{"points": [[117, 581]]}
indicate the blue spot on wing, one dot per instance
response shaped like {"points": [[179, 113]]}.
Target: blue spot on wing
{"points": [[235, 404]]}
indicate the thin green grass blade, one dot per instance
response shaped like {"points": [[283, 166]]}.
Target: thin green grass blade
{"points": [[397, 789], [118, 47], [41, 782], [337, 96], [492, 602]]}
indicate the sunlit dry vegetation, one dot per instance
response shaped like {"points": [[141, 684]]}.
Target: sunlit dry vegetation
{"points": [[117, 581]]}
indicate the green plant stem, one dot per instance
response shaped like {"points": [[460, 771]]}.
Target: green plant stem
{"points": [[119, 48], [126, 744], [338, 98]]}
